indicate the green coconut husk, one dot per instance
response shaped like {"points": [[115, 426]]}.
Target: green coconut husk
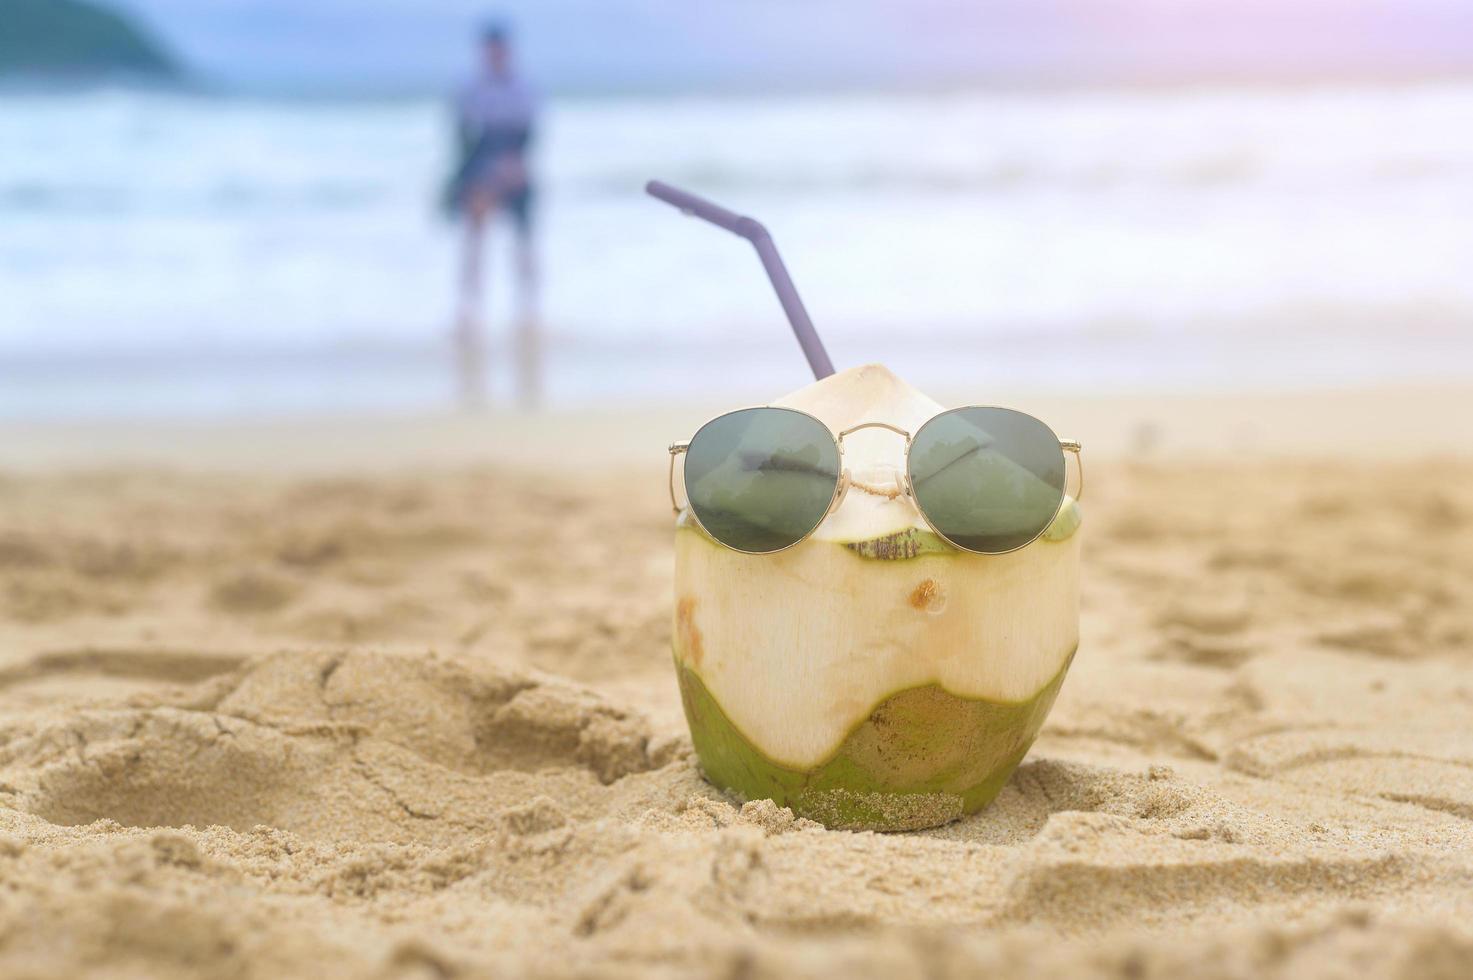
{"points": [[922, 757]]}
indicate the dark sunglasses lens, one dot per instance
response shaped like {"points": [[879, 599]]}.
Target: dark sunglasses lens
{"points": [[760, 479], [989, 479]]}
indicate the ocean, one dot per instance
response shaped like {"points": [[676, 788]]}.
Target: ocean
{"points": [[166, 254]]}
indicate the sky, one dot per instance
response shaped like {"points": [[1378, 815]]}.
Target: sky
{"points": [[613, 45]]}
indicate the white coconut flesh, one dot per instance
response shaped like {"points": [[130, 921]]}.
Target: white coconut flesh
{"points": [[799, 647]]}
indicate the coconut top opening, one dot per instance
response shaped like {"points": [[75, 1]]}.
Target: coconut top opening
{"points": [[875, 458]]}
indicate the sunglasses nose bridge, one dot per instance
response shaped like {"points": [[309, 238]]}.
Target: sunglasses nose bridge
{"points": [[874, 479], [874, 425]]}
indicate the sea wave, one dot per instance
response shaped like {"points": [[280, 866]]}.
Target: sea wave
{"points": [[149, 222]]}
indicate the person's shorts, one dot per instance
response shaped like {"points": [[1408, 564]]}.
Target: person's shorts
{"points": [[486, 173]]}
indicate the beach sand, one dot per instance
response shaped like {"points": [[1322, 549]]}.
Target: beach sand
{"points": [[397, 701]]}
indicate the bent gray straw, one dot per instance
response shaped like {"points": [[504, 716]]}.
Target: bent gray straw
{"points": [[752, 231]]}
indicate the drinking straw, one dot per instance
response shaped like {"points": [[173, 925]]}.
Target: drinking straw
{"points": [[752, 231]]}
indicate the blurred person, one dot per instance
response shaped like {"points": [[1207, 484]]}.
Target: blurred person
{"points": [[495, 114]]}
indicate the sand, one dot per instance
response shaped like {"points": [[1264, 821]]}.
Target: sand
{"points": [[344, 716]]}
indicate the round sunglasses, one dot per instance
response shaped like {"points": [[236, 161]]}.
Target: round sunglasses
{"points": [[986, 480]]}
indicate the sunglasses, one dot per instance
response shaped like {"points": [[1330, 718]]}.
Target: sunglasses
{"points": [[986, 480]]}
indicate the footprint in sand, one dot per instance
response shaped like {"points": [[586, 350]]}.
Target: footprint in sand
{"points": [[333, 747], [1423, 770]]}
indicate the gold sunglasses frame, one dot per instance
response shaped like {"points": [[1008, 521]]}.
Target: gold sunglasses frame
{"points": [[845, 481]]}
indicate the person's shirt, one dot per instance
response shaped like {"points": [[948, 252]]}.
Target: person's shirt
{"points": [[495, 110]]}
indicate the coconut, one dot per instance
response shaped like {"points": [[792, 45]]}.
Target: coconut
{"points": [[873, 676]]}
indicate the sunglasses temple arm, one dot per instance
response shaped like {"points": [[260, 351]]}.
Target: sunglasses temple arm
{"points": [[1074, 449], [754, 232], [676, 449]]}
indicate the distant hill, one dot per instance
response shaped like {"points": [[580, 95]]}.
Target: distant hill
{"points": [[73, 39]]}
